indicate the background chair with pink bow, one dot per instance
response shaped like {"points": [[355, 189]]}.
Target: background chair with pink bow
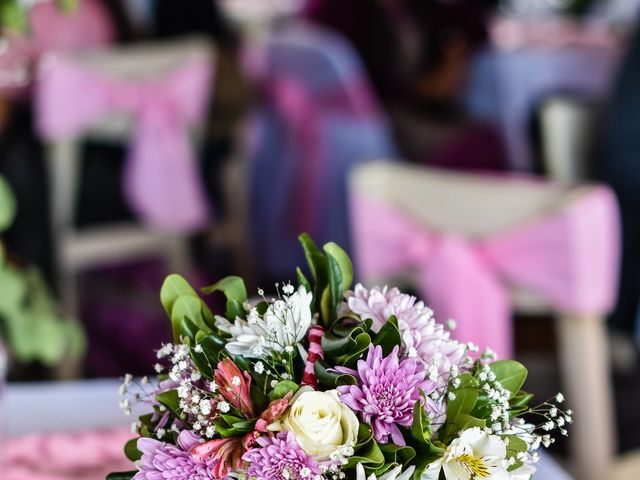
{"points": [[316, 120], [479, 247], [153, 97]]}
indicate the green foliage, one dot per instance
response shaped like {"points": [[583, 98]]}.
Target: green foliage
{"points": [[282, 388], [236, 293], [122, 475], [332, 274], [7, 205], [389, 336], [14, 14], [510, 374], [29, 320], [131, 450]]}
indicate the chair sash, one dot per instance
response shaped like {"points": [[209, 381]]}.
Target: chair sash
{"points": [[162, 182], [569, 257], [305, 109]]}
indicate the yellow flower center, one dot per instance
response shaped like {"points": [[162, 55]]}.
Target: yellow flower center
{"points": [[475, 466]]}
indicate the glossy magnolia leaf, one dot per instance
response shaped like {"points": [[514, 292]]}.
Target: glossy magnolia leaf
{"points": [[318, 267], [235, 292], [463, 403], [331, 379], [189, 307], [421, 426], [397, 454], [173, 287], [388, 336], [170, 400], [282, 388], [122, 475], [302, 280], [510, 374], [345, 267], [131, 450], [464, 421]]}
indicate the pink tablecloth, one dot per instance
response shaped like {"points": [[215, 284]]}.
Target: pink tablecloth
{"points": [[65, 456]]}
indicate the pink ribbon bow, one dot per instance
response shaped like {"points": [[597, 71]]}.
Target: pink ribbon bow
{"points": [[304, 110], [162, 182], [569, 257]]}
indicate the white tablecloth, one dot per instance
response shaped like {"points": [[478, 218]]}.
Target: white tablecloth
{"points": [[93, 404]]}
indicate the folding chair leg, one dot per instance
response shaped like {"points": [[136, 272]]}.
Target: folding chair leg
{"points": [[586, 378]]}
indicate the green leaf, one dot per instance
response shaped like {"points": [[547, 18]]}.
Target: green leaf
{"points": [[188, 331], [421, 426], [510, 374], [515, 445], [464, 421], [463, 403], [170, 400], [388, 336], [331, 379], [318, 268], [467, 380], [362, 342], [303, 281], [282, 388], [122, 475], [189, 307], [340, 277], [235, 292], [370, 456], [173, 287], [131, 450], [7, 205], [397, 454], [336, 254]]}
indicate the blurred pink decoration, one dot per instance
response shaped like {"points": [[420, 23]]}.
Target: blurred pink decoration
{"points": [[65, 456], [162, 181], [52, 30], [305, 108], [569, 257], [512, 33]]}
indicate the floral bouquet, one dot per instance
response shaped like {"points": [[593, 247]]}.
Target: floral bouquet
{"points": [[323, 382]]}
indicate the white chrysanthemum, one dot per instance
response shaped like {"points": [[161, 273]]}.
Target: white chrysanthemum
{"points": [[284, 324], [393, 474], [422, 336]]}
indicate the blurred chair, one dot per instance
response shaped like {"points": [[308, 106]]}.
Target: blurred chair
{"points": [[318, 118], [153, 96], [567, 138], [477, 247]]}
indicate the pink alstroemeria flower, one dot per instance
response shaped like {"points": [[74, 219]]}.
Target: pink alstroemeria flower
{"points": [[235, 386], [221, 455], [273, 412]]}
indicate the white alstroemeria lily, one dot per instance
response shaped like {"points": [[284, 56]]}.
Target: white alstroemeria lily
{"points": [[283, 326], [393, 474], [474, 454]]}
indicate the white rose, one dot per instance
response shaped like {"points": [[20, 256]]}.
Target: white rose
{"points": [[321, 423]]}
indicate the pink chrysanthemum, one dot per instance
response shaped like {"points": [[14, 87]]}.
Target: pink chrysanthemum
{"points": [[168, 462], [422, 337], [386, 392], [280, 458]]}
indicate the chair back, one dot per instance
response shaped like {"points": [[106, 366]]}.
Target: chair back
{"points": [[318, 118], [153, 96], [477, 245], [567, 138]]}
